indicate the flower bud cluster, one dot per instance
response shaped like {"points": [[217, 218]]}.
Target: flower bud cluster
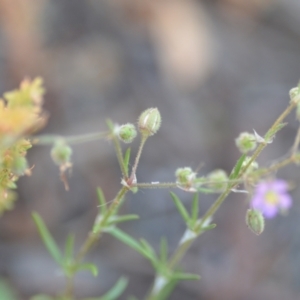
{"points": [[20, 114]]}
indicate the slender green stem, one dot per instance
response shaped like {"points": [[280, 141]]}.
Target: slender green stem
{"points": [[256, 153], [155, 185], [93, 237], [114, 205], [138, 156], [275, 167], [75, 139], [180, 252], [69, 290], [119, 154], [296, 143]]}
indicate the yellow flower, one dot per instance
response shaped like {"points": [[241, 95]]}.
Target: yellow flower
{"points": [[21, 114]]}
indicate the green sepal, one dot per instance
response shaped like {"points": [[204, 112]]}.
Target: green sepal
{"points": [[182, 210], [47, 238]]}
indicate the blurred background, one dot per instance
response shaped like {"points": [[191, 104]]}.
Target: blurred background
{"points": [[213, 68]]}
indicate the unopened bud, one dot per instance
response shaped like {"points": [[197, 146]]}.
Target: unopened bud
{"points": [[293, 93], [126, 133], [255, 221], [246, 142], [252, 167], [149, 121], [217, 180], [185, 179], [61, 153]]}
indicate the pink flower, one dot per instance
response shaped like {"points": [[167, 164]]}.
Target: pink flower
{"points": [[271, 197]]}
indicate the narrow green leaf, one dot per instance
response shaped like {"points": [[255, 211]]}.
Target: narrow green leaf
{"points": [[126, 160], [236, 170], [163, 250], [185, 276], [147, 247], [195, 208], [180, 207], [89, 267], [115, 292], [69, 247], [47, 238], [128, 240], [102, 201], [120, 219]]}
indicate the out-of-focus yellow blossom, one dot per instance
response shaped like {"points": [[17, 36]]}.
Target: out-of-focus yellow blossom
{"points": [[20, 115]]}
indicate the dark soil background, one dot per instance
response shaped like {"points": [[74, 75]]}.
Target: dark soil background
{"points": [[213, 69]]}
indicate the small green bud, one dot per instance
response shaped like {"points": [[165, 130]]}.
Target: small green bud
{"points": [[246, 142], [218, 180], [185, 179], [255, 221], [61, 153], [149, 121], [126, 133], [293, 93], [20, 165], [253, 166]]}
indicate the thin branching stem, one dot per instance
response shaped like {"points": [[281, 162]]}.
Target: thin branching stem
{"points": [[49, 139], [183, 247], [138, 156]]}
